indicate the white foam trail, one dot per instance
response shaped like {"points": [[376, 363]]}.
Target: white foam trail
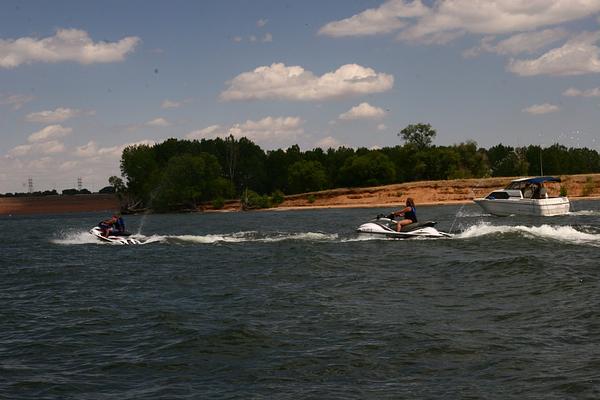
{"points": [[365, 238], [586, 213], [565, 234], [149, 239], [206, 239], [239, 237], [75, 237], [84, 237]]}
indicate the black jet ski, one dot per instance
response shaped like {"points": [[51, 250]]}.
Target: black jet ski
{"points": [[386, 226]]}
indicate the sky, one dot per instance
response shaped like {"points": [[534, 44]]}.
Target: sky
{"points": [[81, 80]]}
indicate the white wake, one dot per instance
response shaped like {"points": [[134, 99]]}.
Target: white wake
{"points": [[559, 233]]}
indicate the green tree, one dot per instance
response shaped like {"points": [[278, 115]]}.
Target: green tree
{"points": [[472, 161], [117, 183], [139, 166], [373, 168], [251, 171], [307, 176], [187, 180], [418, 135], [334, 159]]}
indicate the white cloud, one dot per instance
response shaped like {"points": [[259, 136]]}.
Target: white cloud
{"points": [[268, 38], [59, 115], [528, 42], [20, 150], [16, 101], [237, 39], [578, 56], [381, 127], [261, 22], [363, 111], [48, 133], [49, 169], [295, 83], [167, 103], [537, 109], [92, 151], [170, 104], [498, 16], [50, 147], [384, 19], [268, 129], [88, 150], [66, 45], [572, 92], [328, 142], [69, 165], [158, 123], [209, 132], [446, 19], [43, 163]]}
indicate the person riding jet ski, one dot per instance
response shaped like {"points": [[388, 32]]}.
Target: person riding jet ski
{"points": [[114, 225], [409, 213], [119, 225]]}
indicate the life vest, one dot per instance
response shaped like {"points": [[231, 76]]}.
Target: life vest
{"points": [[412, 214]]}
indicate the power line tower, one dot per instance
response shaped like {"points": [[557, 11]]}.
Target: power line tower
{"points": [[30, 184], [79, 183]]}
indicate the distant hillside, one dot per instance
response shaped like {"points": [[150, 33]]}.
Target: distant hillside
{"points": [[58, 204]]}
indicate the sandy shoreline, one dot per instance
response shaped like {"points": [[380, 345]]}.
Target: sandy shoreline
{"points": [[458, 191]]}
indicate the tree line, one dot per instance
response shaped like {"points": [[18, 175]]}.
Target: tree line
{"points": [[53, 192], [177, 174]]}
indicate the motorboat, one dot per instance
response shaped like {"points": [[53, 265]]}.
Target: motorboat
{"points": [[525, 196], [386, 226], [114, 237]]}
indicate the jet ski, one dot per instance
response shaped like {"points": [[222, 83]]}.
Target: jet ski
{"points": [[114, 237], [386, 226]]}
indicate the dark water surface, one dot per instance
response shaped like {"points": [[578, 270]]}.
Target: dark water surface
{"points": [[295, 305]]}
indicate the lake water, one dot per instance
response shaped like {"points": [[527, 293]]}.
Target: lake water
{"points": [[295, 305]]}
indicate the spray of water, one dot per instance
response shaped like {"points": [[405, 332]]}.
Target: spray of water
{"points": [[460, 210]]}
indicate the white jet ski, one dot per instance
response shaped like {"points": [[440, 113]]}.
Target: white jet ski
{"points": [[385, 226], [114, 238]]}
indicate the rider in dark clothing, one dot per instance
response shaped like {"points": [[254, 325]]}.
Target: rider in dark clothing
{"points": [[409, 213], [114, 224], [107, 225], [120, 224]]}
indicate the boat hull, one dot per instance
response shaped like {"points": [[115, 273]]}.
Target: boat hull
{"points": [[518, 206]]}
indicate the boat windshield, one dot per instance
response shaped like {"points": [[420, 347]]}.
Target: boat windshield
{"points": [[519, 185]]}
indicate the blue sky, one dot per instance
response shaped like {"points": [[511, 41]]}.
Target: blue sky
{"points": [[79, 81]]}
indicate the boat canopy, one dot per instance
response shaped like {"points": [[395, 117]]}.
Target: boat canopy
{"points": [[538, 179]]}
